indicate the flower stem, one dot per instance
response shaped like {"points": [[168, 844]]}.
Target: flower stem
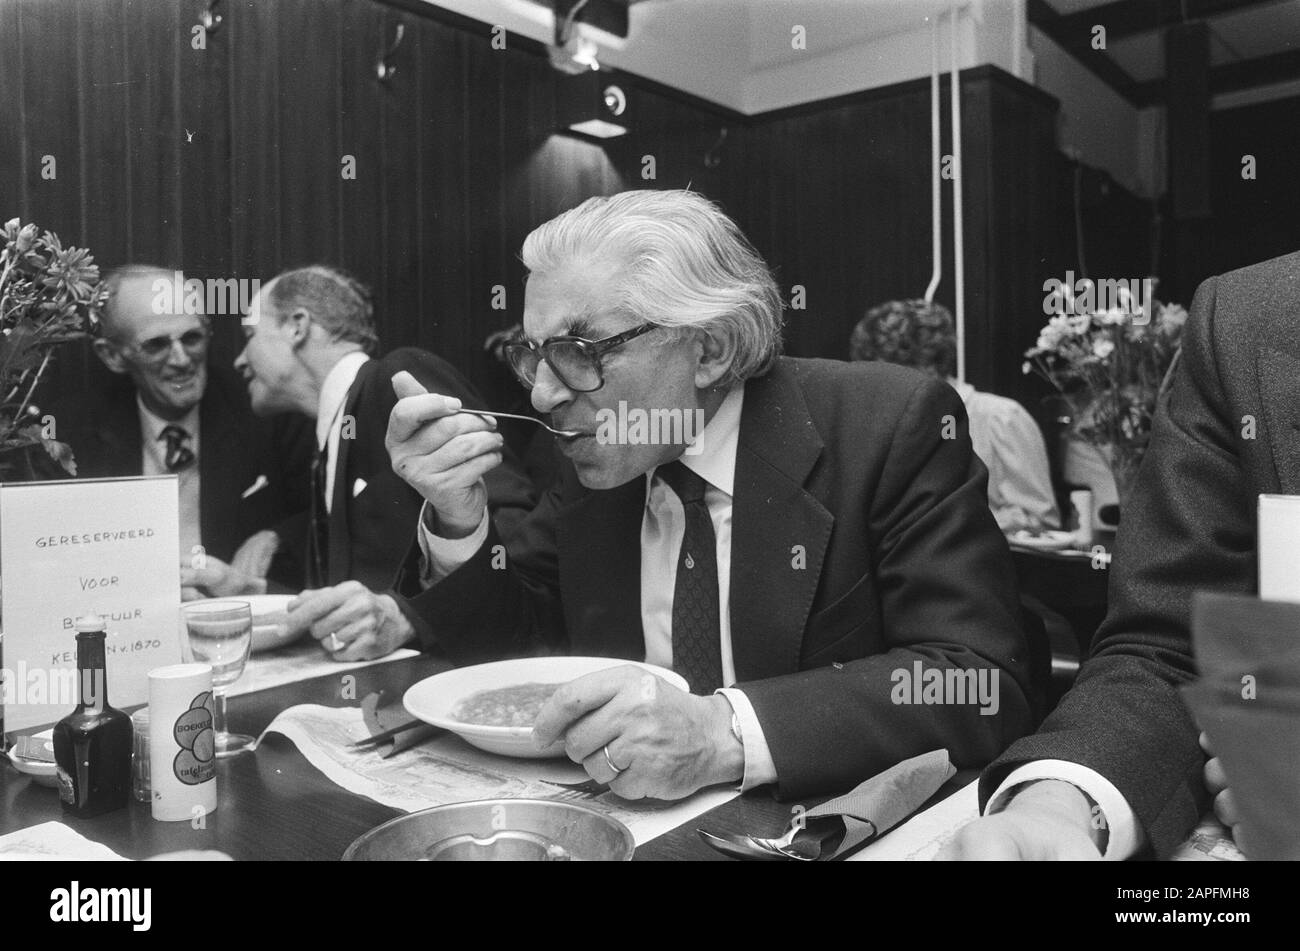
{"points": [[32, 389]]}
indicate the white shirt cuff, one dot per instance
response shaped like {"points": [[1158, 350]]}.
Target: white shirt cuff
{"points": [[759, 768], [442, 556], [1124, 837]]}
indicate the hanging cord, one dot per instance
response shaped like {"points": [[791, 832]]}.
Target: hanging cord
{"points": [[1078, 219], [563, 30], [958, 243], [936, 207]]}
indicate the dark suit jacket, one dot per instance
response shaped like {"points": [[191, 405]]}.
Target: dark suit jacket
{"points": [[861, 543], [235, 448], [371, 530], [1190, 525]]}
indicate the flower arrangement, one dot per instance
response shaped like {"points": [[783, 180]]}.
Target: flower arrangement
{"points": [[1108, 366], [49, 295]]}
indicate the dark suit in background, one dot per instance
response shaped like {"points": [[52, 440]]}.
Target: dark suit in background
{"points": [[371, 529], [1190, 524], [861, 543], [235, 449]]}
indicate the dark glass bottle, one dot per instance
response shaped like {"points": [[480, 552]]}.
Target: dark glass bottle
{"points": [[92, 744]]}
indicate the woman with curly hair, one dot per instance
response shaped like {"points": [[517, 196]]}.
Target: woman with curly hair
{"points": [[916, 334]]}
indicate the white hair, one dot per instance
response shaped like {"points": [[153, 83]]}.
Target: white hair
{"points": [[684, 264]]}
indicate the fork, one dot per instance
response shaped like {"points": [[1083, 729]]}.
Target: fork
{"points": [[587, 789], [805, 841], [566, 433]]}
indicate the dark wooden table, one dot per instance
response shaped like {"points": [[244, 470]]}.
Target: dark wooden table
{"points": [[273, 804]]}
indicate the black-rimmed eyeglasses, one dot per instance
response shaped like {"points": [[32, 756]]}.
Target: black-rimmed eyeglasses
{"points": [[575, 361]]}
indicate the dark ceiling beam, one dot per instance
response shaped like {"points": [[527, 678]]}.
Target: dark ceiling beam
{"points": [[1126, 17], [1077, 41], [1231, 77]]}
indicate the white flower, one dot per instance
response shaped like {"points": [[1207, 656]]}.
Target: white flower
{"points": [[1057, 329], [1102, 348], [1025, 367], [1172, 316]]}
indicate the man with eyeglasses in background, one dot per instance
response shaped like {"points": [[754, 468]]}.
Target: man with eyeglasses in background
{"points": [[818, 540], [167, 411]]}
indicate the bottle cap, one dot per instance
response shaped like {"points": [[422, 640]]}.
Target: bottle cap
{"points": [[90, 624]]}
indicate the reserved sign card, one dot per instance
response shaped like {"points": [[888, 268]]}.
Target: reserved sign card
{"points": [[102, 546], [1279, 547]]}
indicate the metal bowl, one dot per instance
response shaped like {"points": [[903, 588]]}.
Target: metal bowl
{"points": [[497, 830]]}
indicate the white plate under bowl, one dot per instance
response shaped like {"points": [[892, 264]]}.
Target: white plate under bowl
{"points": [[434, 698], [1043, 541], [268, 611], [46, 774]]}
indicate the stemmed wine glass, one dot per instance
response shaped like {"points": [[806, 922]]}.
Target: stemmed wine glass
{"points": [[219, 633]]}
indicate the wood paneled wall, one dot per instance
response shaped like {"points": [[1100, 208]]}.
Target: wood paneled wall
{"points": [[1255, 218], [227, 160], [838, 196]]}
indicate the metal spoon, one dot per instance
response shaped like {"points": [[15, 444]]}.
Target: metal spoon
{"points": [[566, 433], [802, 842]]}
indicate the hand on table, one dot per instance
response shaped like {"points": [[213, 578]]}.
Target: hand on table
{"points": [[1216, 781], [350, 621], [216, 579], [254, 556], [1049, 820], [442, 453], [665, 743]]}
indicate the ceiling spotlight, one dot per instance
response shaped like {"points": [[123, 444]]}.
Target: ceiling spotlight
{"points": [[615, 100], [592, 108]]}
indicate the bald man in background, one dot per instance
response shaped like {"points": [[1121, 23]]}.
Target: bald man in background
{"points": [[167, 411]]}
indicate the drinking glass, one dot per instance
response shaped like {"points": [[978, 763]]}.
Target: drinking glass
{"points": [[219, 634]]}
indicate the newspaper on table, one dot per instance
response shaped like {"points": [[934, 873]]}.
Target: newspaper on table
{"points": [[53, 842], [447, 769], [1210, 841], [921, 837]]}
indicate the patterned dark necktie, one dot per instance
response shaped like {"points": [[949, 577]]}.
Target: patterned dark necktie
{"points": [[697, 632], [177, 455], [318, 533]]}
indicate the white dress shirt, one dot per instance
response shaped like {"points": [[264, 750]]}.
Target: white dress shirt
{"points": [[1011, 446], [1123, 835], [329, 415], [153, 452], [663, 526]]}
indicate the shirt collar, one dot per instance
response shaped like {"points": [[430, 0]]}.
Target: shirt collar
{"points": [[964, 390], [715, 463], [152, 425], [334, 392]]}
